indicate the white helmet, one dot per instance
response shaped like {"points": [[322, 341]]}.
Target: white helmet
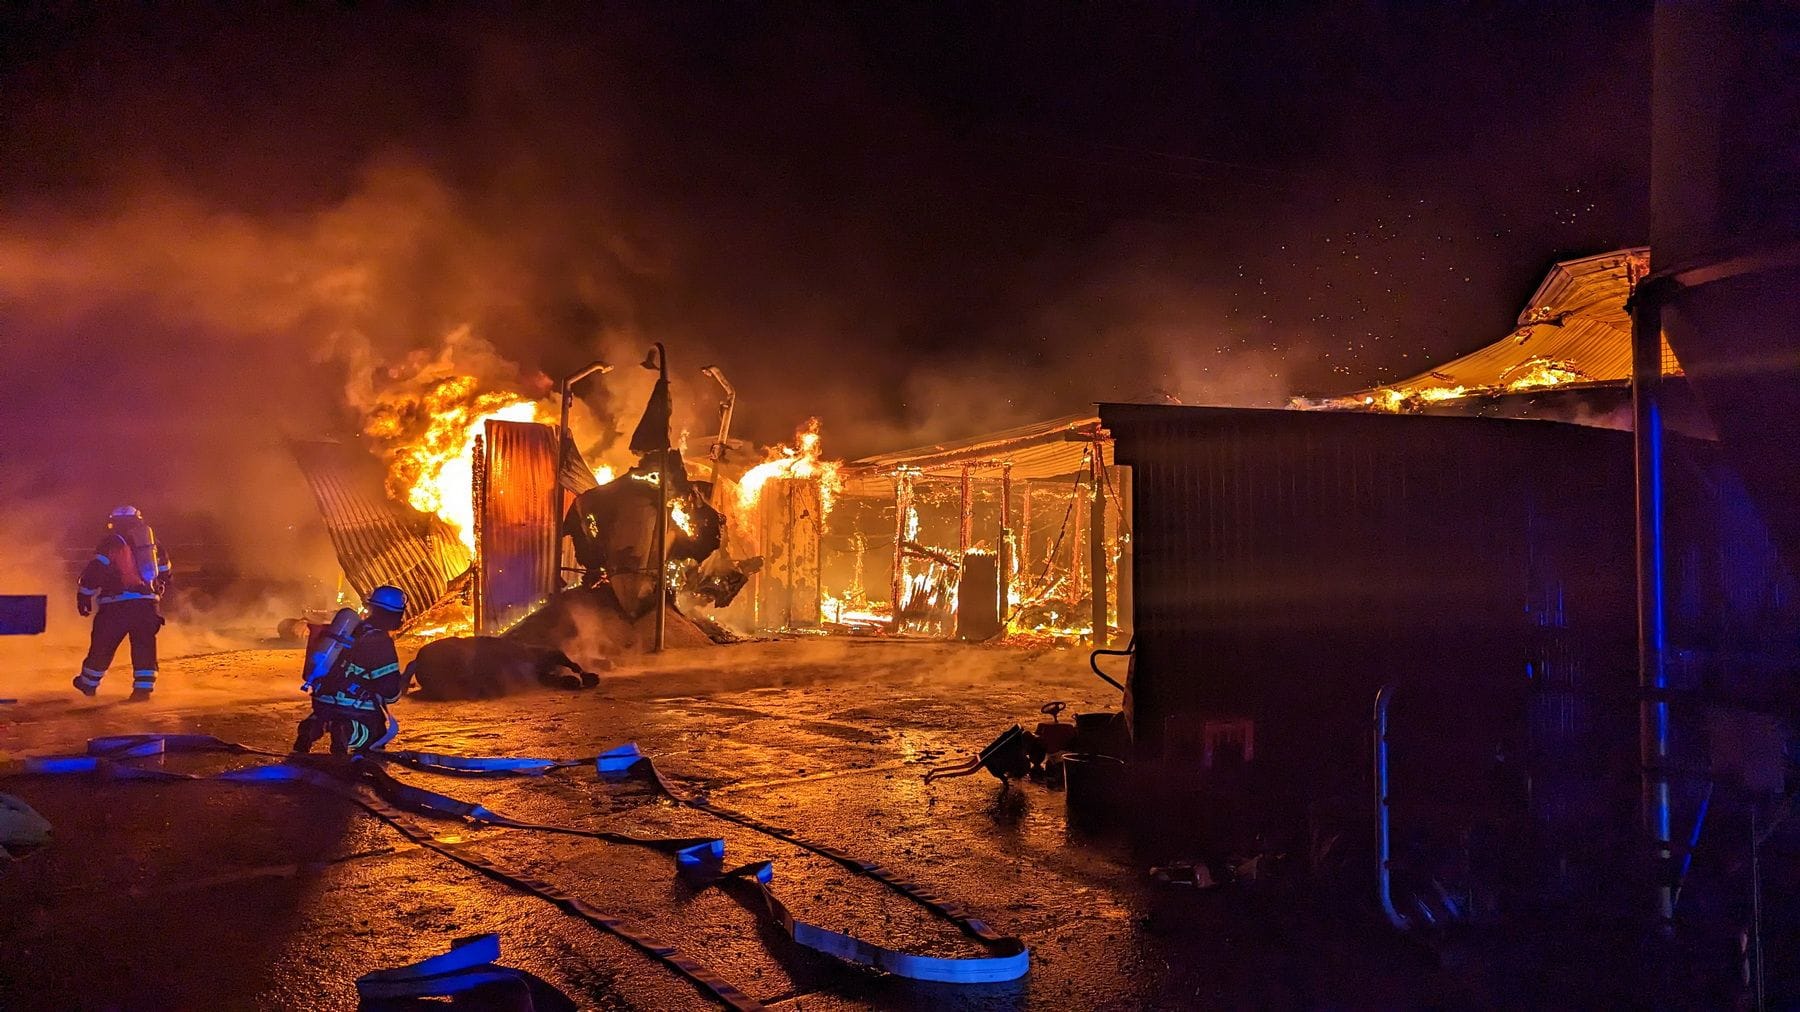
{"points": [[126, 511]]}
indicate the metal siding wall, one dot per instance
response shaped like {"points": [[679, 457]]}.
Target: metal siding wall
{"points": [[787, 588], [519, 522], [378, 541], [1288, 563]]}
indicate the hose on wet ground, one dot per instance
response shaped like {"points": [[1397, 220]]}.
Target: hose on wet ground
{"points": [[700, 859]]}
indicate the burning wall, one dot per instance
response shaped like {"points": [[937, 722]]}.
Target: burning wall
{"points": [[1040, 507]]}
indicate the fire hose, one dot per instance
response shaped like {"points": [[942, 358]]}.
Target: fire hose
{"points": [[700, 859]]}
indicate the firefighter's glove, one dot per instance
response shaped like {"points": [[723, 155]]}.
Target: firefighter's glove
{"points": [[84, 603]]}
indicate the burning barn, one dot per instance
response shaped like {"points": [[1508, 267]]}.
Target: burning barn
{"points": [[1024, 532], [486, 512]]}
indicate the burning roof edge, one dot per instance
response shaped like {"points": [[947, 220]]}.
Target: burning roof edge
{"points": [[1574, 322], [1046, 449]]}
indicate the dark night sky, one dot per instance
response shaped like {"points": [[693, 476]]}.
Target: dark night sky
{"points": [[913, 220]]}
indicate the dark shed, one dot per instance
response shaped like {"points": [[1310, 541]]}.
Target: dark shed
{"points": [[1289, 563]]}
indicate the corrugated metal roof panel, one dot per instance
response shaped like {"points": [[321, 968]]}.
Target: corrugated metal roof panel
{"points": [[377, 540], [1576, 319], [1050, 449], [519, 510]]}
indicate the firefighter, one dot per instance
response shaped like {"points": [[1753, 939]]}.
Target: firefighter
{"points": [[127, 576], [350, 700]]}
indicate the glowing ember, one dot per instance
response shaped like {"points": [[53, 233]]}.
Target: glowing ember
{"points": [[678, 513], [798, 461], [1544, 372], [604, 475]]}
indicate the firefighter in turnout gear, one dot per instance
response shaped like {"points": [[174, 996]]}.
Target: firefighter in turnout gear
{"points": [[350, 699], [120, 587]]}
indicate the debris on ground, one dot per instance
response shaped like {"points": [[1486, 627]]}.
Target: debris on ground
{"points": [[21, 828], [1184, 873], [468, 974]]}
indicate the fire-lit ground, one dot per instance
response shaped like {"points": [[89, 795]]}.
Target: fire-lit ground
{"points": [[213, 895]]}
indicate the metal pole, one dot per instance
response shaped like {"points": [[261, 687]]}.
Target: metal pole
{"points": [[1097, 550], [662, 548], [568, 400], [1756, 917], [1653, 681], [567, 389], [1127, 560], [671, 457], [725, 408], [1384, 872]]}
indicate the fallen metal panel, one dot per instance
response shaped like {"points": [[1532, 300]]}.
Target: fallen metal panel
{"points": [[518, 509], [377, 540]]}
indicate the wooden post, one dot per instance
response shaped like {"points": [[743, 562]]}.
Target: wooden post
{"points": [[1025, 560], [966, 530], [903, 499], [1097, 548], [1006, 550], [1077, 519]]}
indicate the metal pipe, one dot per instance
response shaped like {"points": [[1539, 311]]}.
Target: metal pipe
{"points": [[1756, 945], [567, 399], [1653, 680], [725, 408], [1687, 859], [1127, 583], [1097, 550], [1383, 842]]}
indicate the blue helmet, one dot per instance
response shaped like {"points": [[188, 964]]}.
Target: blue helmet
{"points": [[126, 511], [388, 599]]}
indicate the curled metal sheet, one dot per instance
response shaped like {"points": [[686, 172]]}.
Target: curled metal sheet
{"points": [[377, 540]]}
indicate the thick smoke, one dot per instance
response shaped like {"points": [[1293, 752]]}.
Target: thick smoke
{"points": [[196, 265]]}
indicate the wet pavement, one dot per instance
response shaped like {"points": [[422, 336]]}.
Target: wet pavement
{"points": [[217, 895]]}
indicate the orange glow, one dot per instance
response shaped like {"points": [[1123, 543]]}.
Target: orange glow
{"points": [[1543, 372], [603, 474], [433, 470], [678, 513], [801, 460]]}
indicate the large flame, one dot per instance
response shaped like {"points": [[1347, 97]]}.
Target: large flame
{"points": [[431, 436], [798, 461]]}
